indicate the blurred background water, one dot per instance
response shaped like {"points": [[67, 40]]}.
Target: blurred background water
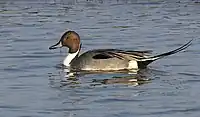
{"points": [[32, 86]]}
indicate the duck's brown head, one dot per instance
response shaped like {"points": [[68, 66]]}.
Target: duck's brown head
{"points": [[69, 39]]}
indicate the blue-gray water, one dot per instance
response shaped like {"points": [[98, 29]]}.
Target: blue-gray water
{"points": [[32, 86]]}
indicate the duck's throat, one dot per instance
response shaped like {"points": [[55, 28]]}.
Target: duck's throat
{"points": [[68, 59]]}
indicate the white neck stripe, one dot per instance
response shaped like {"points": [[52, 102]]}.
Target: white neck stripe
{"points": [[69, 58]]}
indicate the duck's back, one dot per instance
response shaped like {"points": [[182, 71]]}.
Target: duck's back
{"points": [[98, 60]]}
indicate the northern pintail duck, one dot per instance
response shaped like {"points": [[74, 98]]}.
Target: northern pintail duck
{"points": [[105, 59]]}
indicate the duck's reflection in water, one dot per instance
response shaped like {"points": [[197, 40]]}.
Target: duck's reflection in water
{"points": [[134, 78]]}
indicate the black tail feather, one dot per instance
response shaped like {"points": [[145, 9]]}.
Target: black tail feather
{"points": [[144, 62], [173, 51]]}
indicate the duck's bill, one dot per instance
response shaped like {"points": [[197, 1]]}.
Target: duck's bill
{"points": [[58, 45]]}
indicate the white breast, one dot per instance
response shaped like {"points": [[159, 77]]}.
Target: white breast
{"points": [[69, 58]]}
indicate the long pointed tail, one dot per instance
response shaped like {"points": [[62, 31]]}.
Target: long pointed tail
{"points": [[146, 61]]}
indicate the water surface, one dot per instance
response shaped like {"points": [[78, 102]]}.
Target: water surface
{"points": [[32, 85]]}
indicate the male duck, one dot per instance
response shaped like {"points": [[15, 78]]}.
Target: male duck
{"points": [[105, 59]]}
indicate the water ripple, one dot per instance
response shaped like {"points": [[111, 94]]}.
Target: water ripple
{"points": [[31, 85]]}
